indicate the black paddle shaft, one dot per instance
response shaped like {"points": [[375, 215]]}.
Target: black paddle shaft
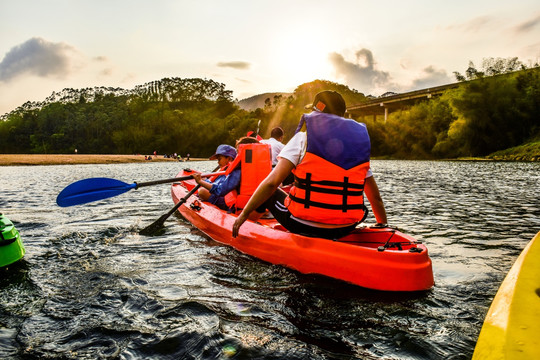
{"points": [[181, 178], [156, 182], [158, 224]]}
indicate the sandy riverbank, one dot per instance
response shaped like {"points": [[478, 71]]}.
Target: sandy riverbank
{"points": [[45, 159]]}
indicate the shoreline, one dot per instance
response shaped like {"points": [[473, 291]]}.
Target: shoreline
{"points": [[76, 159], [81, 159]]}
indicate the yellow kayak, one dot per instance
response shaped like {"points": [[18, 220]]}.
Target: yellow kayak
{"points": [[511, 328]]}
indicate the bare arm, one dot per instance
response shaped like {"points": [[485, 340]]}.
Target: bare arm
{"points": [[377, 206], [265, 189], [198, 179]]}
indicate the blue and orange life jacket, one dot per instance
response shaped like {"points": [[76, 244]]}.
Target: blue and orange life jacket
{"points": [[255, 161], [329, 181]]}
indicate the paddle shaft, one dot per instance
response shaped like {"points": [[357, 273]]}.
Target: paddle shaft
{"points": [[182, 178], [181, 201], [158, 224]]}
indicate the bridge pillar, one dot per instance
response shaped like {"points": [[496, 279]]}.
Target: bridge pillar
{"points": [[385, 112]]}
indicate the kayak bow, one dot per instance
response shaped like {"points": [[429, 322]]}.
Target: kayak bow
{"points": [[511, 328], [11, 246]]}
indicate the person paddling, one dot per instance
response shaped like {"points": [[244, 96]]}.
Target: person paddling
{"points": [[219, 191], [214, 190], [330, 162]]}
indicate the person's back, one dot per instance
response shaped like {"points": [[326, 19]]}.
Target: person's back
{"points": [[254, 162], [329, 180], [275, 141]]}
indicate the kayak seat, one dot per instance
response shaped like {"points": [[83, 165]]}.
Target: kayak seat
{"points": [[255, 161]]}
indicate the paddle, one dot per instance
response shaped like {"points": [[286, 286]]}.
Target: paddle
{"points": [[93, 189], [158, 224]]}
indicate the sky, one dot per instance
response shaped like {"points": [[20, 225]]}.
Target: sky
{"points": [[255, 46]]}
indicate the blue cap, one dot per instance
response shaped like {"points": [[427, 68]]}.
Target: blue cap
{"points": [[225, 150]]}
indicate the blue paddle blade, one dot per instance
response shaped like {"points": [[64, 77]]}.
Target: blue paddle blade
{"points": [[93, 189]]}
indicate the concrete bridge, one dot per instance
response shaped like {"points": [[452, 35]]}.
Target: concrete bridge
{"points": [[383, 105]]}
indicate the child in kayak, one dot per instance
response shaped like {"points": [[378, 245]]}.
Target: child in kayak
{"points": [[215, 190]]}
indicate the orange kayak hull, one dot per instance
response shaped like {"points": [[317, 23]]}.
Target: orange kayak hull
{"points": [[404, 265]]}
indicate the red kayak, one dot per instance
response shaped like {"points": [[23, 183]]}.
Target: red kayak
{"points": [[374, 258]]}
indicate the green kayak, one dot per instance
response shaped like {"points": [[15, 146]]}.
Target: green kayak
{"points": [[11, 246]]}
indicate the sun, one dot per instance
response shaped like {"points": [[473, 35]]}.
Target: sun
{"points": [[302, 59]]}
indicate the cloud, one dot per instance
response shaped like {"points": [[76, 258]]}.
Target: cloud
{"points": [[362, 74], [239, 65], [37, 57], [474, 25], [431, 77], [243, 80], [528, 25]]}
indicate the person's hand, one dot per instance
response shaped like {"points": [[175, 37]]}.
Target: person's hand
{"points": [[197, 177], [238, 222]]}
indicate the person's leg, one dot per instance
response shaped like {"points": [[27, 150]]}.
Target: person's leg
{"points": [[204, 194]]}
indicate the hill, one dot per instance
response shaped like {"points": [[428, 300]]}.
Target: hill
{"points": [[258, 101]]}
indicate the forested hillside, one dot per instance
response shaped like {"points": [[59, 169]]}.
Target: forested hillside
{"points": [[261, 100], [169, 115], [484, 115], [492, 110]]}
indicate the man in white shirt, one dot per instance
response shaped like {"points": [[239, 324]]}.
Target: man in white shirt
{"points": [[275, 142]]}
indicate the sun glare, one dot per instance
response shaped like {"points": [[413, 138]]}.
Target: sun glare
{"points": [[302, 59]]}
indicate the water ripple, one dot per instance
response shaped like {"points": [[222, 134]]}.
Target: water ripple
{"points": [[91, 287]]}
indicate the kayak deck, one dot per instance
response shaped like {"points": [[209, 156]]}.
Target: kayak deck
{"points": [[511, 328], [375, 258], [11, 246]]}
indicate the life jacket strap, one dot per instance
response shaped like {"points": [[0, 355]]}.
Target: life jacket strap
{"points": [[344, 189], [343, 207], [340, 187]]}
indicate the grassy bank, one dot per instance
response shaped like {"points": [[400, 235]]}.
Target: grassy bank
{"points": [[46, 159], [526, 152]]}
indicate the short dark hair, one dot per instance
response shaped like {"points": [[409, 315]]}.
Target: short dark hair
{"points": [[246, 140], [277, 132], [330, 102]]}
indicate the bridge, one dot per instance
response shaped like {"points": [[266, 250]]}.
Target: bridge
{"points": [[383, 105]]}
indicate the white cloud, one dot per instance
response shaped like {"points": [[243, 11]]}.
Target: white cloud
{"points": [[431, 77], [362, 74], [528, 25], [38, 57], [240, 65]]}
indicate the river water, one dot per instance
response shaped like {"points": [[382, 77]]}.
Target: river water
{"points": [[91, 287]]}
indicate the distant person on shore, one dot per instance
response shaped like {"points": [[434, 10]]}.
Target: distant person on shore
{"points": [[334, 152], [275, 142]]}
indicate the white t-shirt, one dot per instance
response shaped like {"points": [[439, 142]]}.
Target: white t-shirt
{"points": [[295, 150], [276, 146]]}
